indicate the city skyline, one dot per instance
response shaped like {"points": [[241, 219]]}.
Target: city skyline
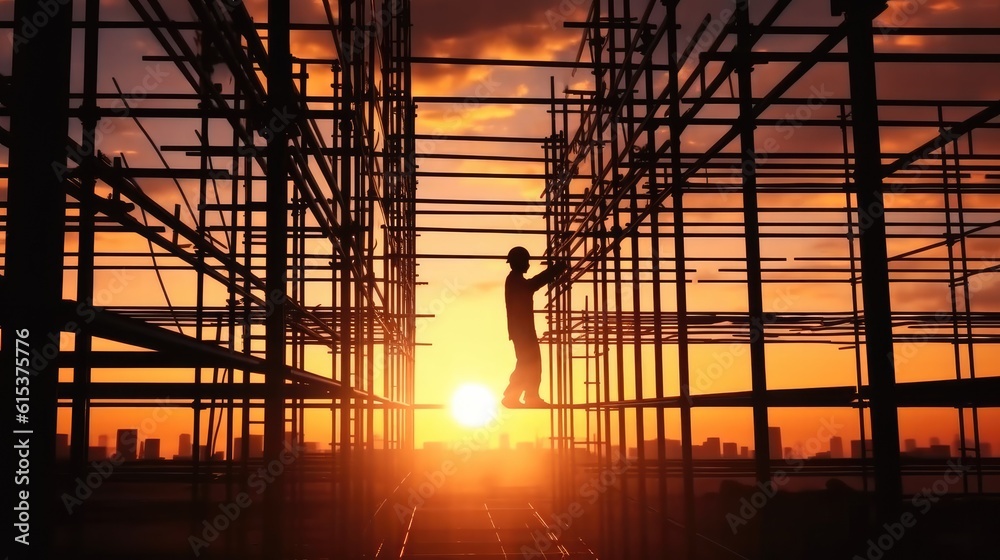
{"points": [[710, 448]]}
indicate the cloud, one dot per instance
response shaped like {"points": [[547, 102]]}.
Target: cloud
{"points": [[510, 29]]}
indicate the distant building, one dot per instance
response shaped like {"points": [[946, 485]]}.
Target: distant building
{"points": [[126, 443], [152, 449], [62, 446], [256, 447], [744, 452], [434, 445], [729, 451], [935, 441], [184, 446], [674, 449], [699, 452], [774, 442], [713, 448], [97, 453], [909, 445], [856, 449], [102, 440], [836, 447], [525, 446], [985, 450], [505, 441], [939, 452], [204, 455], [651, 449]]}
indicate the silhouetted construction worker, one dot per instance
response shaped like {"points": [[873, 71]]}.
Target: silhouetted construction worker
{"points": [[518, 292]]}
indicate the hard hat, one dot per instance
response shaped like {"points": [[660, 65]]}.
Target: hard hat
{"points": [[518, 254]]}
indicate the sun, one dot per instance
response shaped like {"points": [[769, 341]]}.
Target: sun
{"points": [[473, 405]]}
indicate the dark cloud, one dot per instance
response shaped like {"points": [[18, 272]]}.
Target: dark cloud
{"points": [[467, 29]]}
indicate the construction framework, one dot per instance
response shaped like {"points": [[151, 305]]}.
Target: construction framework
{"points": [[311, 247], [651, 211], [684, 215]]}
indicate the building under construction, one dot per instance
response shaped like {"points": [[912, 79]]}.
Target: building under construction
{"points": [[744, 243]]}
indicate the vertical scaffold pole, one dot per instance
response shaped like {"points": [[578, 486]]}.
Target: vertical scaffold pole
{"points": [[279, 94], [874, 254], [33, 270]]}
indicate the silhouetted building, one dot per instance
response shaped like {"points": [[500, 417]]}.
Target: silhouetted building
{"points": [[152, 449], [700, 452], [205, 456], [744, 452], [126, 443], [673, 449], [836, 447], [729, 451], [774, 442], [910, 445], [651, 449], [939, 452], [505, 441], [97, 453], [62, 446], [184, 446], [713, 448], [935, 441], [102, 440], [969, 449], [256, 444], [856, 449]]}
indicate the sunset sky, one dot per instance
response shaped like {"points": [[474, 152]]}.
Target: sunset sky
{"points": [[468, 332]]}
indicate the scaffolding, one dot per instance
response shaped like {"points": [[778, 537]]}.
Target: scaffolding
{"points": [[640, 209], [293, 233], [692, 186]]}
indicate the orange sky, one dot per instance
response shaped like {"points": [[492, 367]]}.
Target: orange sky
{"points": [[468, 332]]}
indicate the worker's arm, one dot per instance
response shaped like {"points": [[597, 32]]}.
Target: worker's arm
{"points": [[546, 276]]}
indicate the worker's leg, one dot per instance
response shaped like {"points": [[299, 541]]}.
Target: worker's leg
{"points": [[527, 355], [532, 372], [514, 387]]}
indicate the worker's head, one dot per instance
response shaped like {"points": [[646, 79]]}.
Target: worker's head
{"points": [[518, 258]]}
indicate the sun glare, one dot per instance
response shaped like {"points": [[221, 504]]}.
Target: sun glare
{"points": [[473, 405]]}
